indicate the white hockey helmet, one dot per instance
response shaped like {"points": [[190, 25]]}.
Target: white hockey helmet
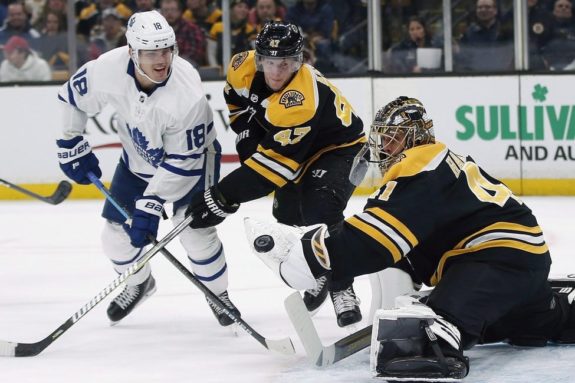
{"points": [[149, 31]]}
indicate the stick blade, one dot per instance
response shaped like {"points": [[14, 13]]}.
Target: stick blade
{"points": [[304, 327], [61, 193], [283, 346], [12, 349], [7, 348]]}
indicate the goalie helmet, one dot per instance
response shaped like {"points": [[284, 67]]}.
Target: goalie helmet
{"points": [[148, 31], [279, 40], [400, 125]]}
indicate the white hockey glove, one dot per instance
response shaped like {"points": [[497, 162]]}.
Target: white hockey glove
{"points": [[280, 247]]}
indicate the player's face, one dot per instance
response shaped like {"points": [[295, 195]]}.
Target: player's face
{"points": [[278, 71], [394, 141], [156, 63]]}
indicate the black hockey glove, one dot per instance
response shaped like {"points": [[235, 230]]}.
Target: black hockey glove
{"points": [[209, 209]]}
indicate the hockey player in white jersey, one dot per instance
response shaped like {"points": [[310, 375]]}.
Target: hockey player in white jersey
{"points": [[169, 153]]}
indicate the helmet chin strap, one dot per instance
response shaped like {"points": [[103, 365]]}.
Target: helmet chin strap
{"points": [[134, 57]]}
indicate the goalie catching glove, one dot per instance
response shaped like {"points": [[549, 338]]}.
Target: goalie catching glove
{"points": [[290, 250], [76, 160], [209, 209]]}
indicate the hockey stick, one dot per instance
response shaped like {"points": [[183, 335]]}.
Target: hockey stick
{"points": [[60, 194], [32, 349], [317, 353], [284, 346]]}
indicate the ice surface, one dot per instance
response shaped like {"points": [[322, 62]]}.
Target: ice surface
{"points": [[51, 264]]}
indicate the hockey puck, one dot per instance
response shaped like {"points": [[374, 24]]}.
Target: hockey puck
{"points": [[264, 243]]}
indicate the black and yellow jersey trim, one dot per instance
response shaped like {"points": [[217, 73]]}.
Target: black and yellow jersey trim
{"points": [[416, 160], [500, 234], [387, 230], [279, 169]]}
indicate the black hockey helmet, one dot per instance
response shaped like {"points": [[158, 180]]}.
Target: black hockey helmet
{"points": [[279, 39]]}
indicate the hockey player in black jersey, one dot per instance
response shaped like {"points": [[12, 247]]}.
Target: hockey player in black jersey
{"points": [[451, 226], [297, 136]]}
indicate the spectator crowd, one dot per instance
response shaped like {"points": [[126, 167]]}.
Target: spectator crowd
{"points": [[33, 33]]}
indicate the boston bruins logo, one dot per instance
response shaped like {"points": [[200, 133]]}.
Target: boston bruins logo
{"points": [[291, 98], [239, 59]]}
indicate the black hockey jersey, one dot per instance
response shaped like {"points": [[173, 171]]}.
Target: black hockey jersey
{"points": [[281, 133], [434, 208]]}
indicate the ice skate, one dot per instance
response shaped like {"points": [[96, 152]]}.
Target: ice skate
{"points": [[129, 299]]}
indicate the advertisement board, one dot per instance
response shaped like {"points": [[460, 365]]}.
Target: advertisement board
{"points": [[520, 128]]}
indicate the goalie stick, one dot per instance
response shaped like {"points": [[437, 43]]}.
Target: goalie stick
{"points": [[60, 194], [317, 353], [284, 346], [33, 349]]}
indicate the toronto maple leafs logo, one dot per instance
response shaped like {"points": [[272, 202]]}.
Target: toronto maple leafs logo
{"points": [[151, 156]]}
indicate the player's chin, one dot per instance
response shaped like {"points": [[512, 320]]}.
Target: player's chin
{"points": [[160, 74]]}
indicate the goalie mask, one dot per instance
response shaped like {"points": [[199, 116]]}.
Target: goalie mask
{"points": [[400, 125], [151, 39]]}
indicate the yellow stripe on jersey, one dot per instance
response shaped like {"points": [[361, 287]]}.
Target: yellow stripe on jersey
{"points": [[312, 159], [534, 249], [515, 236], [515, 227], [395, 223], [416, 160], [304, 90], [265, 172], [234, 112], [377, 236], [273, 155]]}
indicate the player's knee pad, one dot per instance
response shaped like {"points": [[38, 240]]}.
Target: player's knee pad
{"points": [[414, 343], [117, 247], [206, 254]]}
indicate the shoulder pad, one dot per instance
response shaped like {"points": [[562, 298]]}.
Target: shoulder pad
{"points": [[297, 103], [242, 70], [416, 160]]}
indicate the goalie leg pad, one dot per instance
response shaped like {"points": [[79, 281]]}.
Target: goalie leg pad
{"points": [[413, 343]]}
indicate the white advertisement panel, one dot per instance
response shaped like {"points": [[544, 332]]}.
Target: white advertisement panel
{"points": [[547, 119], [518, 128], [474, 116]]}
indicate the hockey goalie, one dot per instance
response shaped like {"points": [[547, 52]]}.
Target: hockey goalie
{"points": [[442, 220]]}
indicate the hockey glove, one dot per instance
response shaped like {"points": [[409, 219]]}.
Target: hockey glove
{"points": [[76, 159], [209, 209], [145, 220]]}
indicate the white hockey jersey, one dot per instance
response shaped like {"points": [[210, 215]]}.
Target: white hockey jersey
{"points": [[164, 134]]}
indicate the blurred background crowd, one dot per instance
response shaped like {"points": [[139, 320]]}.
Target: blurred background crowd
{"points": [[35, 35]]}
